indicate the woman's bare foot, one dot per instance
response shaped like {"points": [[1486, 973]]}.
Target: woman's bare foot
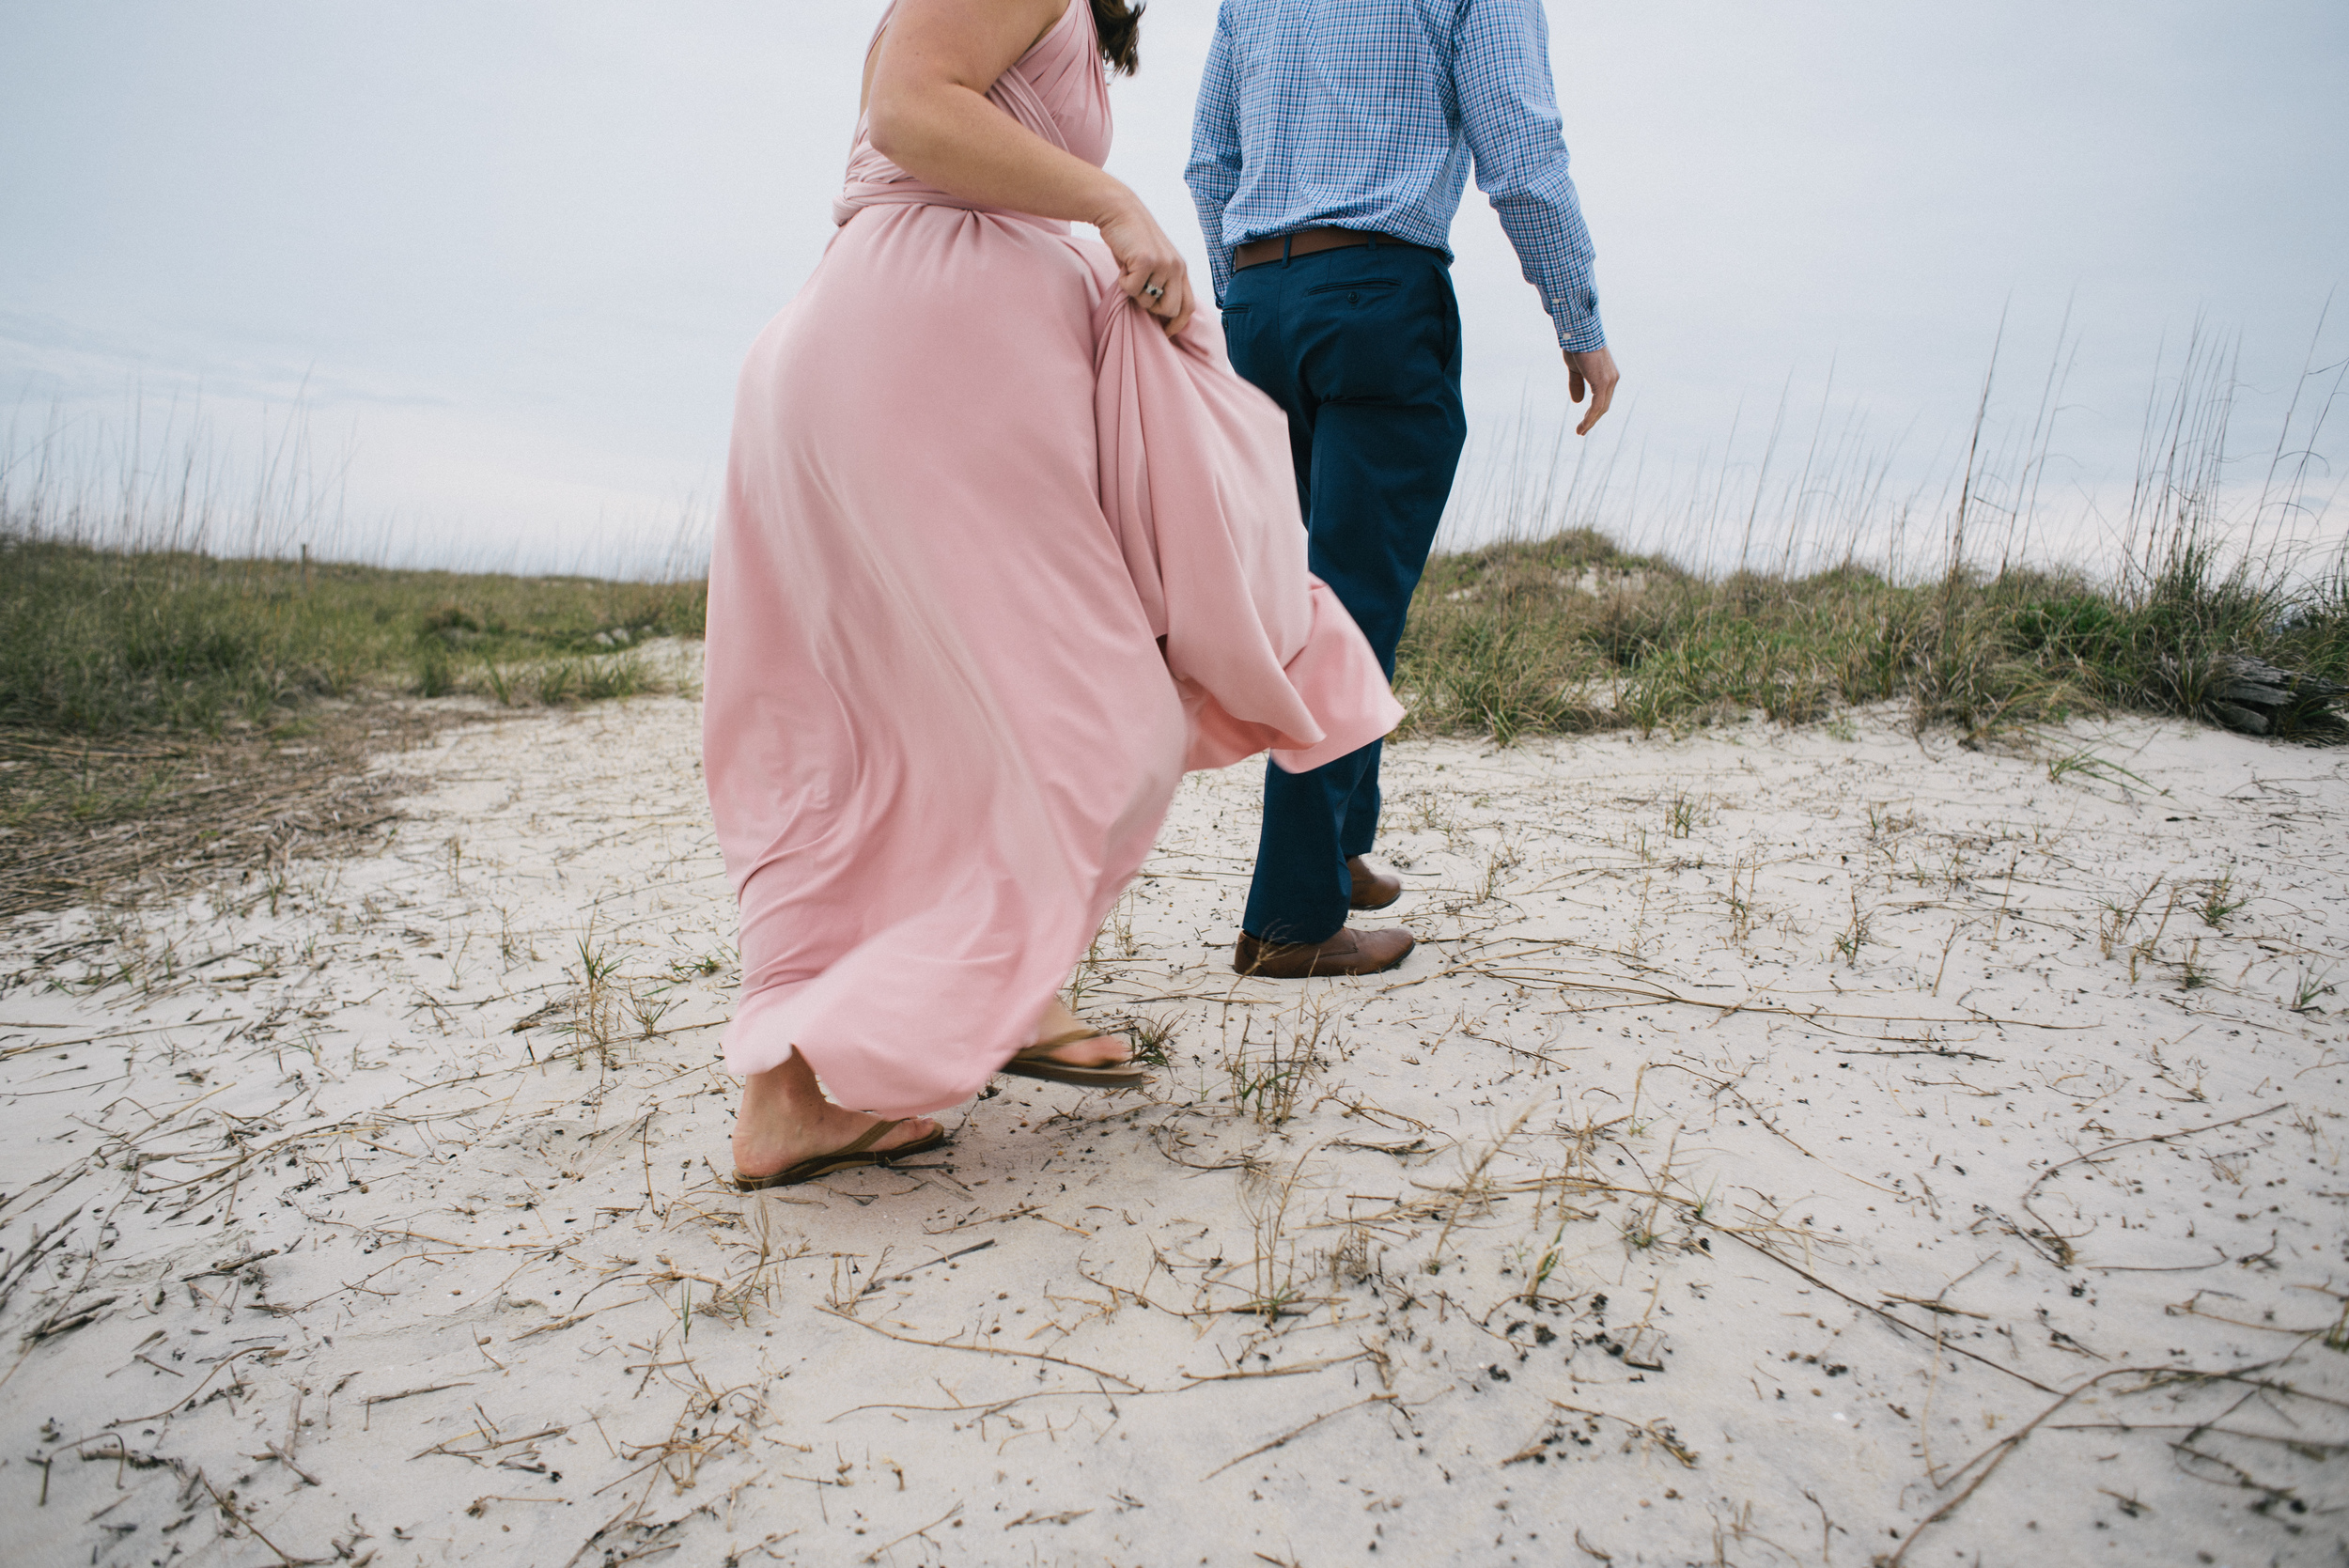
{"points": [[1097, 1050], [786, 1119]]}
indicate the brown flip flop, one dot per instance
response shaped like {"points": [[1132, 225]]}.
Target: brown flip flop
{"points": [[1037, 1061], [859, 1153]]}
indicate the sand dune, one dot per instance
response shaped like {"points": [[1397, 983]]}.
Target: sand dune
{"points": [[1785, 1147]]}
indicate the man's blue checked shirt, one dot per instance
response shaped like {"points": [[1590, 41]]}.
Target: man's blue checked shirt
{"points": [[1365, 114]]}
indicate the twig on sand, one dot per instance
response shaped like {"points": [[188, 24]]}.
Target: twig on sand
{"points": [[2064, 1246], [1468, 1188], [983, 1349], [374, 1400], [1869, 1307], [286, 1558], [1996, 1453], [1265, 1448], [875, 1555]]}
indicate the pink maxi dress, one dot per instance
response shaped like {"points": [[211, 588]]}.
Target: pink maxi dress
{"points": [[998, 561]]}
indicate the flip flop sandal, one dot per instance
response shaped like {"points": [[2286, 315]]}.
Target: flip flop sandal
{"points": [[857, 1154], [1037, 1061]]}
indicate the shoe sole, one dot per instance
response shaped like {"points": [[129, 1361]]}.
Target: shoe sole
{"points": [[825, 1165], [1091, 1077], [1315, 972]]}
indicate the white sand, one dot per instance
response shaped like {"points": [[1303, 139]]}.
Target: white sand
{"points": [[502, 1310]]}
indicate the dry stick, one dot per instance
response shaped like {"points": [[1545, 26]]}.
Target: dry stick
{"points": [[563, 1321], [374, 1400], [982, 1410], [1436, 1254], [285, 1558], [1812, 1016], [983, 1349], [1869, 1307], [78, 1287], [1263, 1448], [2004, 1447], [2198, 1428], [1968, 1055], [875, 1555], [182, 1401], [2126, 1142], [1291, 1370]]}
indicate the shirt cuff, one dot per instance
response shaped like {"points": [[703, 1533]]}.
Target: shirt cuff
{"points": [[1578, 331]]}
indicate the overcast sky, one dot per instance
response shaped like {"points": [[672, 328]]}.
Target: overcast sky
{"points": [[509, 255]]}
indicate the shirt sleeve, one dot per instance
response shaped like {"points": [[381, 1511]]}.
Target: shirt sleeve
{"points": [[1213, 172], [1509, 114]]}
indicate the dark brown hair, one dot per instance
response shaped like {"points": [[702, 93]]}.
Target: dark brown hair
{"points": [[1120, 26]]}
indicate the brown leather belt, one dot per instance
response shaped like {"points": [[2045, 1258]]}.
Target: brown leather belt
{"points": [[1305, 242]]}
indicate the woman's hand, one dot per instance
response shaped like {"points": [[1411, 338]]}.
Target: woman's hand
{"points": [[1147, 260], [926, 110]]}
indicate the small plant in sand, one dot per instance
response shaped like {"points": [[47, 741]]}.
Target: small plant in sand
{"points": [[2115, 917], [1855, 936], [1351, 1260], [1088, 976], [2310, 988], [1504, 857], [1120, 929], [513, 946], [1884, 822], [556, 681], [1266, 1078], [2143, 952], [595, 1007], [2087, 764], [1680, 813], [1743, 911], [1552, 1256], [647, 1008], [1634, 946], [1639, 1232], [757, 1281], [1152, 1037], [1279, 1289], [2219, 900]]}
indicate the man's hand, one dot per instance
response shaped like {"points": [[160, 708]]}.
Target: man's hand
{"points": [[1596, 370]]}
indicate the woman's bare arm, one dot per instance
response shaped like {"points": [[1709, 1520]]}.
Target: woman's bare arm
{"points": [[926, 112]]}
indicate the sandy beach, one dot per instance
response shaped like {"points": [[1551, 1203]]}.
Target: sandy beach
{"points": [[1826, 1145]]}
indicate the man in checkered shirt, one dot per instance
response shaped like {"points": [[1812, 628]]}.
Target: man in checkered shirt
{"points": [[1332, 141]]}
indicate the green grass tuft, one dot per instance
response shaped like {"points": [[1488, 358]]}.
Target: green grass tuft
{"points": [[1570, 635], [101, 643]]}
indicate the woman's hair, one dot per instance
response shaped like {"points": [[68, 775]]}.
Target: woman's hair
{"points": [[1120, 26]]}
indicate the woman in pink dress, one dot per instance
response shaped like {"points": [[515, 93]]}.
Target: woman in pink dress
{"points": [[1007, 547]]}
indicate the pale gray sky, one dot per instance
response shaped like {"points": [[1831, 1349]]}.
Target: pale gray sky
{"points": [[509, 255]]}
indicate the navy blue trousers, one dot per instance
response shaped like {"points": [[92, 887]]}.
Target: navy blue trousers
{"points": [[1360, 347]]}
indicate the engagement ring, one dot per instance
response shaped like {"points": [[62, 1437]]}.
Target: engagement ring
{"points": [[1155, 292]]}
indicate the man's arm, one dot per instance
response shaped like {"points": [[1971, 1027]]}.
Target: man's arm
{"points": [[1213, 172], [1509, 114]]}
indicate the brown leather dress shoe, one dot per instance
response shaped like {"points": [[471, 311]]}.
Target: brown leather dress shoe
{"points": [[1372, 889], [1351, 951]]}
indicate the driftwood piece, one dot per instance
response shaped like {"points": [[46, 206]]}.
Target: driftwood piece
{"points": [[2257, 698]]}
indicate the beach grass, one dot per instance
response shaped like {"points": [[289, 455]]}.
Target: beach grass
{"points": [[107, 643], [163, 711], [1571, 634], [1560, 635]]}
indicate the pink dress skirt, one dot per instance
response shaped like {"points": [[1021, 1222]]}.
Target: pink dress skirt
{"points": [[998, 561]]}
